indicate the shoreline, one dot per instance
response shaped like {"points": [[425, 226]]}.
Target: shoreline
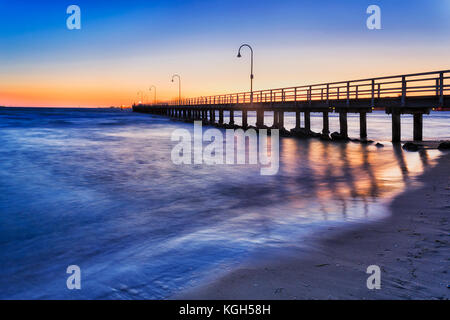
{"points": [[410, 246]]}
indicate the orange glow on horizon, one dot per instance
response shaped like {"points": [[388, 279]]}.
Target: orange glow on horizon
{"points": [[104, 89]]}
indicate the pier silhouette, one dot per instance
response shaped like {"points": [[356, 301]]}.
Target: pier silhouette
{"points": [[416, 94]]}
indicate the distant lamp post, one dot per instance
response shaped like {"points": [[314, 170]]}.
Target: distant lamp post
{"points": [[154, 88], [179, 86], [251, 69], [141, 94]]}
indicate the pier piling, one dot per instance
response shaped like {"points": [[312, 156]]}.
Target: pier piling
{"points": [[363, 125], [396, 127], [326, 124], [275, 120], [221, 116], [280, 120], [297, 120], [418, 126], [343, 124], [307, 121], [260, 118], [244, 119], [231, 117]]}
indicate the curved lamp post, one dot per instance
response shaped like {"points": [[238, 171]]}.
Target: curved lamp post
{"points": [[179, 86], [251, 68], [153, 87], [141, 93]]}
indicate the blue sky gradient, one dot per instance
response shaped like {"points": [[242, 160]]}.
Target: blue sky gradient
{"points": [[145, 42]]}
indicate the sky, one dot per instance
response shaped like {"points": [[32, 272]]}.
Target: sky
{"points": [[124, 47]]}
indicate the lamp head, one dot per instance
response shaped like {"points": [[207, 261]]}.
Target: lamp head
{"points": [[239, 55]]}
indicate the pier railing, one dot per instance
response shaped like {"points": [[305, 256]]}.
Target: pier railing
{"points": [[416, 94], [434, 83]]}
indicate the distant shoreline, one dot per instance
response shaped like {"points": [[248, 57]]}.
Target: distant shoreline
{"points": [[410, 246], [28, 107]]}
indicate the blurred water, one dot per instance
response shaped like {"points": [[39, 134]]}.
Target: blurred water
{"points": [[96, 188]]}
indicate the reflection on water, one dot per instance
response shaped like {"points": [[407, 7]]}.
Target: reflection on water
{"points": [[96, 188]]}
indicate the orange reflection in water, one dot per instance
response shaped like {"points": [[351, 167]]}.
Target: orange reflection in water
{"points": [[347, 172]]}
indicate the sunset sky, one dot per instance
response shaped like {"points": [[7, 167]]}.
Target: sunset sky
{"points": [[127, 46]]}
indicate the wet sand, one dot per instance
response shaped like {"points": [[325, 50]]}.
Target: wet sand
{"points": [[410, 246]]}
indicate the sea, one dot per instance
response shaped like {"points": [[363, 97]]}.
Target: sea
{"points": [[97, 189]]}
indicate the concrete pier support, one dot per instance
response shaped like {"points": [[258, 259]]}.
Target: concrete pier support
{"points": [[363, 125], [280, 120], [221, 116], [231, 117], [326, 124], [418, 127], [396, 127], [297, 120], [308, 120], [212, 115], [184, 114], [275, 120], [260, 118], [343, 124], [244, 119]]}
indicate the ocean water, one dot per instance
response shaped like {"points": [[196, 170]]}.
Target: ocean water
{"points": [[97, 188]]}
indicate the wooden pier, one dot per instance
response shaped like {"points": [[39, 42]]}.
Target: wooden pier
{"points": [[415, 94]]}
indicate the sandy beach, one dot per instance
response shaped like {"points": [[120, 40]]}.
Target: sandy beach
{"points": [[410, 246]]}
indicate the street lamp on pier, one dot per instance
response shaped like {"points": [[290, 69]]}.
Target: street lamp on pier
{"points": [[141, 93], [154, 88], [251, 69], [179, 86]]}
